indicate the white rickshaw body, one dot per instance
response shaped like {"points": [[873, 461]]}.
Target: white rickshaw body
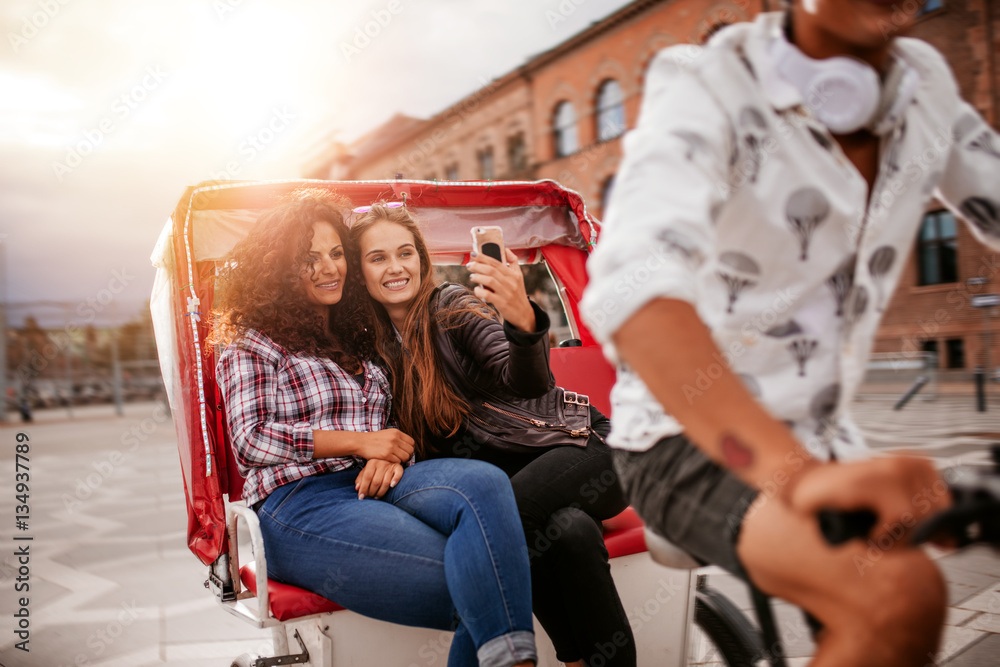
{"points": [[542, 222]]}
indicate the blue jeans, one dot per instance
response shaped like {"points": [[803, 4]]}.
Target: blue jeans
{"points": [[563, 493], [444, 549]]}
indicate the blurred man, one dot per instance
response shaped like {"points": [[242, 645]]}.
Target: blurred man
{"points": [[763, 212]]}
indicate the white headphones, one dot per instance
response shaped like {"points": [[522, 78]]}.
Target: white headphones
{"points": [[843, 93]]}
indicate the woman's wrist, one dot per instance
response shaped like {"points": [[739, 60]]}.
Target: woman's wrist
{"points": [[332, 444], [525, 319]]}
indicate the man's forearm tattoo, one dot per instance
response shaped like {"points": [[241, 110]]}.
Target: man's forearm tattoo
{"points": [[735, 453]]}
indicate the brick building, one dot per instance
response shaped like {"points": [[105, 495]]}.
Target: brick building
{"points": [[561, 116], [932, 307]]}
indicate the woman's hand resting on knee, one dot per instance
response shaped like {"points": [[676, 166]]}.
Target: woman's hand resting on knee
{"points": [[376, 478]]}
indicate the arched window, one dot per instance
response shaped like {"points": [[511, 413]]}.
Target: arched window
{"points": [[517, 154], [937, 249], [564, 129], [485, 160], [610, 110]]}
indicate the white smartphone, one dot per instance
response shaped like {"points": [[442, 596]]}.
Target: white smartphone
{"points": [[489, 241]]}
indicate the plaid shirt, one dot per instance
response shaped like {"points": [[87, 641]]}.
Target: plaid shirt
{"points": [[274, 400]]}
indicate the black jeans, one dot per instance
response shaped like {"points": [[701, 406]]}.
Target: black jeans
{"points": [[562, 494]]}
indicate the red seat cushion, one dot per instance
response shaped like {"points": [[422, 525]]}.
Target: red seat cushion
{"points": [[624, 534], [286, 601]]}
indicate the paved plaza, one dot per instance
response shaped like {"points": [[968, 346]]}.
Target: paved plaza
{"points": [[112, 583]]}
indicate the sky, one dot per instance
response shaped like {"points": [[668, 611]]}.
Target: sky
{"points": [[110, 108]]}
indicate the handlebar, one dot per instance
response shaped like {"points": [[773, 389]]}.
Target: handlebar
{"points": [[839, 527], [973, 517]]}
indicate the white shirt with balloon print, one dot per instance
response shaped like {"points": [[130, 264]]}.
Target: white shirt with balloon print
{"points": [[731, 196]]}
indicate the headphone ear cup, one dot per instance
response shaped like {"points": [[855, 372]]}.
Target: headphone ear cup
{"points": [[843, 93]]}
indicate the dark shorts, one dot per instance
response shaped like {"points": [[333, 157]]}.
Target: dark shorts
{"points": [[686, 497]]}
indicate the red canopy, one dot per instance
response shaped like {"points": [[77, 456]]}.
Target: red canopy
{"points": [[212, 216]]}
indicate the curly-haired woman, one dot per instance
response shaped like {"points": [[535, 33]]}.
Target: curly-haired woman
{"points": [[448, 354], [435, 544]]}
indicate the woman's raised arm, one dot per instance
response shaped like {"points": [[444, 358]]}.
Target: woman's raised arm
{"points": [[490, 354]]}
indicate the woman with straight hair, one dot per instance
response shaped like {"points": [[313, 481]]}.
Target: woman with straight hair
{"points": [[342, 510], [467, 385]]}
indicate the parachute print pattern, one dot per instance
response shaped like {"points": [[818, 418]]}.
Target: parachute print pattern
{"points": [[788, 254]]}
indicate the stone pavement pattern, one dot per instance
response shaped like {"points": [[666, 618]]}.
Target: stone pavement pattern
{"points": [[112, 581], [114, 585]]}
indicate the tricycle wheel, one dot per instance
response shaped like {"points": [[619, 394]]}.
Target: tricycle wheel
{"points": [[727, 628]]}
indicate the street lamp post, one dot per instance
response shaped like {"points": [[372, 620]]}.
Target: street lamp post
{"points": [[68, 356], [987, 302]]}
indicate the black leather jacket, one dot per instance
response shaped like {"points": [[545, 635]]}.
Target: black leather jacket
{"points": [[496, 359], [504, 376]]}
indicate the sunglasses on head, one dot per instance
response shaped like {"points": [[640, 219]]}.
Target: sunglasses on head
{"points": [[391, 204]]}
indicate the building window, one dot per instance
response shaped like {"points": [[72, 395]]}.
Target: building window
{"points": [[937, 249], [485, 160], [931, 347], [451, 172], [955, 352], [610, 110], [564, 129], [517, 154], [606, 189], [931, 6]]}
